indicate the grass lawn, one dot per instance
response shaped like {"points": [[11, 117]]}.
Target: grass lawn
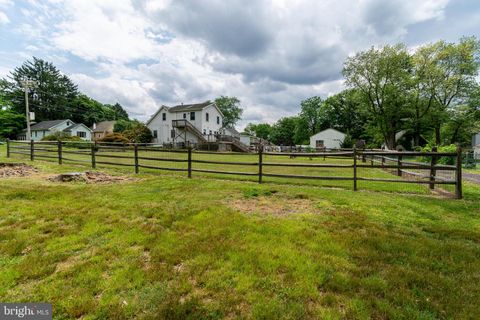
{"points": [[170, 247]]}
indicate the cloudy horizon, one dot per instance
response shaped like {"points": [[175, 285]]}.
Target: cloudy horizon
{"points": [[270, 54]]}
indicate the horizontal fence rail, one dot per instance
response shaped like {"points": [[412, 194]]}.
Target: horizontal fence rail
{"points": [[154, 157]]}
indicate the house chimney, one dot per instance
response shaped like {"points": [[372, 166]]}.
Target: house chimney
{"points": [[94, 126]]}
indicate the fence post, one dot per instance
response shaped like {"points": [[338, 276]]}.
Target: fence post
{"points": [[93, 147], [354, 169], [383, 161], [260, 163], [399, 163], [189, 161], [59, 145], [135, 153], [8, 148], [433, 162], [458, 174], [32, 150]]}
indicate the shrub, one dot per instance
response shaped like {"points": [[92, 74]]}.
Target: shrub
{"points": [[139, 133], [114, 137], [61, 136], [442, 160]]}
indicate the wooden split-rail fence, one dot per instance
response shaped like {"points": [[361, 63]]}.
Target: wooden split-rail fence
{"points": [[374, 159]]}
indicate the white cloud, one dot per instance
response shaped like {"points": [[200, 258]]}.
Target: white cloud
{"points": [[4, 18], [270, 53]]}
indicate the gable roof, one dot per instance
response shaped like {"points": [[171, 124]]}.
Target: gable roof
{"points": [[156, 113], [328, 130], [76, 125], [190, 107], [104, 126], [47, 125]]}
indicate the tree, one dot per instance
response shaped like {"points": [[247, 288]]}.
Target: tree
{"points": [[231, 109], [124, 125], [118, 112], [261, 130], [310, 114], [381, 75], [133, 130], [53, 96], [11, 123], [346, 112], [283, 131], [452, 77]]}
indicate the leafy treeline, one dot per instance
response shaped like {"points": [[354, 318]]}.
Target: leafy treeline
{"points": [[430, 93], [54, 97]]}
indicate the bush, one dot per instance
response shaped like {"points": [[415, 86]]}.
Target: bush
{"points": [[114, 137], [442, 160], [61, 136], [139, 133]]}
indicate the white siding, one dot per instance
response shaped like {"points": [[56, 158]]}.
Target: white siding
{"points": [[245, 140], [164, 127], [211, 125], [332, 139], [82, 128]]}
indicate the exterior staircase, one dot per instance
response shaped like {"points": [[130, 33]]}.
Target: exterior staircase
{"points": [[189, 127], [234, 142]]}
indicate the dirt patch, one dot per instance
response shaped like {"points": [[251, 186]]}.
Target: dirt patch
{"points": [[89, 177], [16, 170], [279, 206]]}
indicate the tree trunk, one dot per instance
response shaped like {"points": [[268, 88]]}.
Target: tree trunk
{"points": [[390, 140], [438, 140]]}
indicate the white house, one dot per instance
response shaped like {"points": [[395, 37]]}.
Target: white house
{"points": [[46, 128], [476, 145], [329, 138], [186, 123]]}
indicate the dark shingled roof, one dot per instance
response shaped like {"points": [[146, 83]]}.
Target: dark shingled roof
{"points": [[46, 125], [190, 107], [71, 127]]}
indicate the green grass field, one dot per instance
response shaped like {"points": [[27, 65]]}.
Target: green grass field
{"points": [[168, 247]]}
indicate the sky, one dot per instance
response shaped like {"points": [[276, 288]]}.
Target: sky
{"points": [[271, 54]]}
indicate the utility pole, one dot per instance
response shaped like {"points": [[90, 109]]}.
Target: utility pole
{"points": [[27, 84]]}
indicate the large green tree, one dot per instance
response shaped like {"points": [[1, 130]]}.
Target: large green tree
{"points": [[231, 109], [382, 77], [261, 130], [53, 96], [452, 74], [283, 131]]}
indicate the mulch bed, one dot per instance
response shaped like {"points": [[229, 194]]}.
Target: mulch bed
{"points": [[16, 170]]}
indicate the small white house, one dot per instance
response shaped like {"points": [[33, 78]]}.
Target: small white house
{"points": [[189, 123], [329, 138], [46, 128]]}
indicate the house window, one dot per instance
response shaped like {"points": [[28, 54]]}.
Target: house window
{"points": [[184, 116], [192, 116], [81, 134], [35, 134], [155, 133], [207, 117], [319, 143], [210, 132], [164, 116], [204, 132], [218, 120]]}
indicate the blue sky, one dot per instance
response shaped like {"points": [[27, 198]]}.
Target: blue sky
{"points": [[271, 54]]}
